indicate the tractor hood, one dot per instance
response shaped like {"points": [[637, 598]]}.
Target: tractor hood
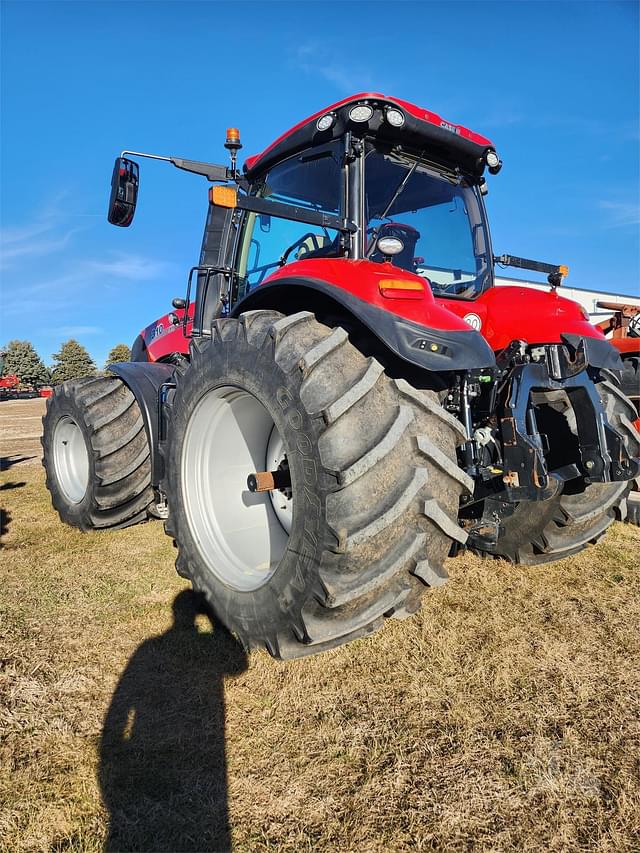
{"points": [[505, 314]]}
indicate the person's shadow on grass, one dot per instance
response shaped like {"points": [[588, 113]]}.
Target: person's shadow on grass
{"points": [[162, 753]]}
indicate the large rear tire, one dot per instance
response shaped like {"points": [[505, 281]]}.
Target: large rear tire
{"points": [[630, 379], [549, 530], [371, 511], [96, 454], [630, 386], [633, 505]]}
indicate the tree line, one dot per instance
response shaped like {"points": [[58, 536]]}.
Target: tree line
{"points": [[72, 361]]}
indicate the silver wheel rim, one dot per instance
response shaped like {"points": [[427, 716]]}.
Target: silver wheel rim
{"points": [[71, 459], [239, 534]]}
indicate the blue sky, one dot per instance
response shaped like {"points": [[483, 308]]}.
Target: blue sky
{"points": [[554, 85]]}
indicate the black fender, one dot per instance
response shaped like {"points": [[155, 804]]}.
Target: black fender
{"points": [[599, 353], [139, 350], [435, 350], [145, 380]]}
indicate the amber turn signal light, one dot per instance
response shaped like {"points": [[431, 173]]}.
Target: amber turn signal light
{"points": [[223, 196], [401, 288]]}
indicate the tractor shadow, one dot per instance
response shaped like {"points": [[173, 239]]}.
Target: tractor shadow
{"points": [[7, 462], [162, 767], [5, 519], [5, 515]]}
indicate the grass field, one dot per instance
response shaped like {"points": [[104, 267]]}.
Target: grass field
{"points": [[505, 716]]}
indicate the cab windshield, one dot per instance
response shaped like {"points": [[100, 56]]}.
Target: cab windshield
{"points": [[438, 219]]}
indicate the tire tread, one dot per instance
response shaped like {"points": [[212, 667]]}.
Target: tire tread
{"points": [[120, 494]]}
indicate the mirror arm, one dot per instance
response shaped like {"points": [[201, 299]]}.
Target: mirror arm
{"points": [[142, 154], [210, 171]]}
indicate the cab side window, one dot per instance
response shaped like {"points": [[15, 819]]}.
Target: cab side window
{"points": [[313, 181]]}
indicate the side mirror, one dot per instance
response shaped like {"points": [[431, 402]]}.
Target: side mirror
{"points": [[124, 192]]}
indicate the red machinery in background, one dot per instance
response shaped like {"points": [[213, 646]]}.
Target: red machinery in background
{"points": [[623, 331]]}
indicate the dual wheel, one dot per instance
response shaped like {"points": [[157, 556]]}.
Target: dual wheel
{"points": [[364, 510], [96, 454], [365, 489]]}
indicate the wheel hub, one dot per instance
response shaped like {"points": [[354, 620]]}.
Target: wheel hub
{"points": [[241, 534], [71, 459], [281, 497]]}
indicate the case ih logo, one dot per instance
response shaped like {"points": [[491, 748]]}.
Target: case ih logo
{"points": [[450, 127]]}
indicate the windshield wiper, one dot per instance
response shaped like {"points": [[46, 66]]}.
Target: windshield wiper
{"points": [[400, 190], [394, 198]]}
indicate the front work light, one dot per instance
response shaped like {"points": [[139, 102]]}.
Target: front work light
{"points": [[362, 112], [326, 122], [394, 117], [493, 162], [390, 246]]}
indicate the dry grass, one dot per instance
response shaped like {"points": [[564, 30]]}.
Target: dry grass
{"points": [[20, 429], [506, 716]]}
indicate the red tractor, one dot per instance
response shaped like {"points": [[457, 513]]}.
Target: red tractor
{"points": [[9, 382], [624, 329], [343, 398]]}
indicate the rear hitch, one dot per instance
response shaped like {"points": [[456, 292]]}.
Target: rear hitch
{"points": [[603, 456]]}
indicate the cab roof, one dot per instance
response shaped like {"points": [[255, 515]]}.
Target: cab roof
{"points": [[422, 130]]}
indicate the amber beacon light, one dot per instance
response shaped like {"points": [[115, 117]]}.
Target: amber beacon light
{"points": [[232, 141]]}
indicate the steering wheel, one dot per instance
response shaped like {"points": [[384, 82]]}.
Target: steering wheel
{"points": [[284, 257], [454, 287]]}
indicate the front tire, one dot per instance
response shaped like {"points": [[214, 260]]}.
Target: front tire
{"points": [[374, 484], [96, 454]]}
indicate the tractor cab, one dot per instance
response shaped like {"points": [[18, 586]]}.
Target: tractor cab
{"points": [[407, 182], [404, 190], [376, 187], [420, 217], [372, 189], [372, 199]]}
